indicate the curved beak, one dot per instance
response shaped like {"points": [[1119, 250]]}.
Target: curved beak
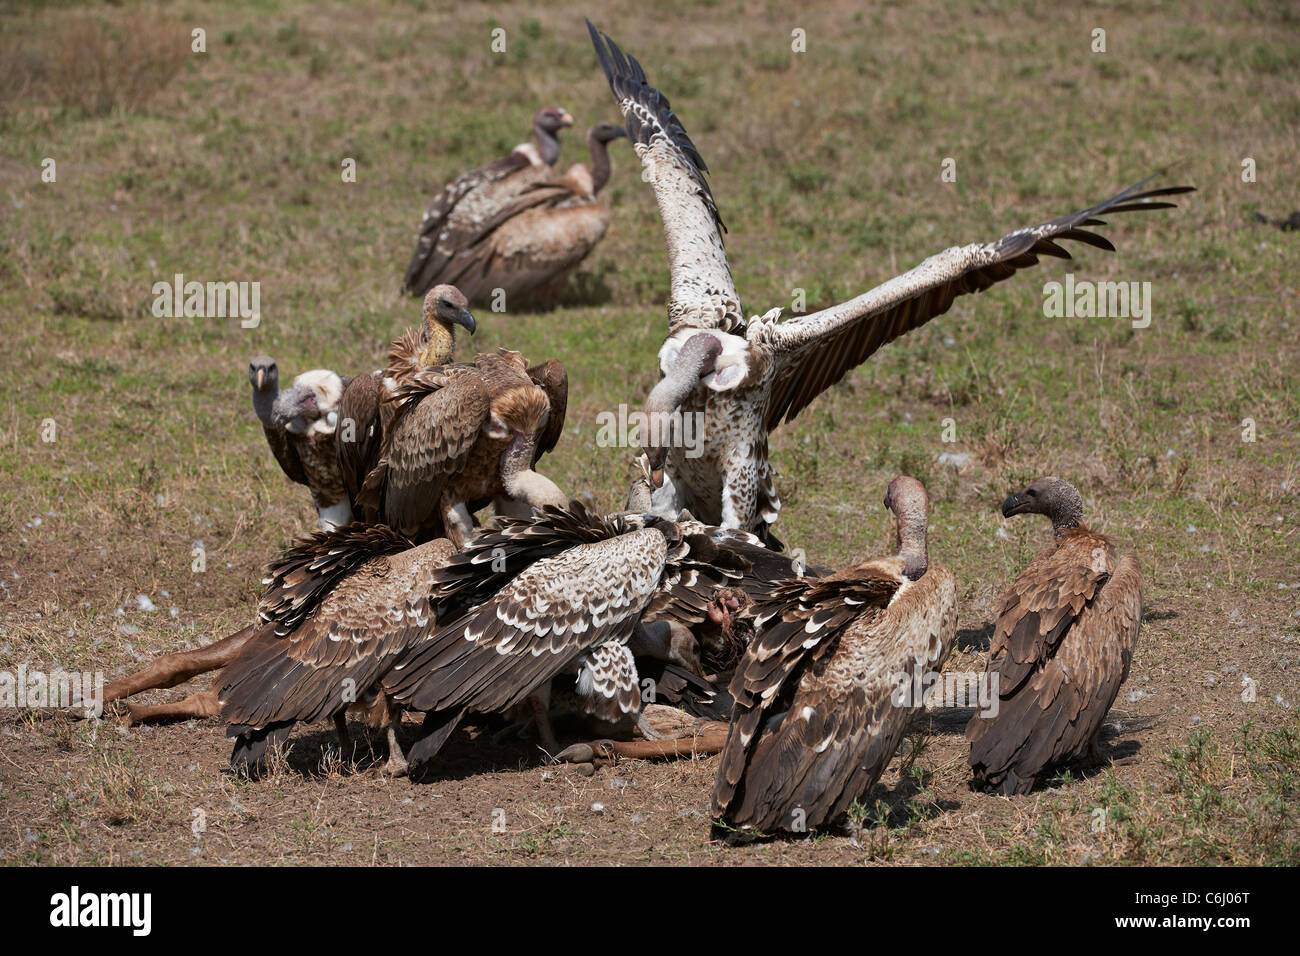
{"points": [[618, 132], [466, 318], [261, 378], [658, 457], [1014, 505], [565, 118]]}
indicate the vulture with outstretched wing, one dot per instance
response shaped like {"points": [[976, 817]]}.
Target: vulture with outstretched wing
{"points": [[300, 425], [562, 592], [817, 716], [339, 610], [746, 377], [459, 216], [531, 243], [363, 414], [1061, 647], [462, 436]]}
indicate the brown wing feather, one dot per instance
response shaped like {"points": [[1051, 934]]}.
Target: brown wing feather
{"points": [[359, 421], [552, 378], [285, 452], [1055, 715], [817, 350]]}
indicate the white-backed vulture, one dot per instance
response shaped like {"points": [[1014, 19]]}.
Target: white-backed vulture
{"points": [[363, 415], [530, 244], [562, 592], [300, 425], [816, 719], [339, 610], [461, 436], [1061, 647], [457, 217], [746, 377]]}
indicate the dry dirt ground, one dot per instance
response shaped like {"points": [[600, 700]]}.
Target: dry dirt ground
{"points": [[826, 166]]}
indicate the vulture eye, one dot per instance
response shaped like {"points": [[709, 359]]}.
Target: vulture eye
{"points": [[1031, 493]]}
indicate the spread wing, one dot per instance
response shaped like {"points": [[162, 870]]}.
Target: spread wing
{"points": [[815, 351], [497, 653], [703, 294]]}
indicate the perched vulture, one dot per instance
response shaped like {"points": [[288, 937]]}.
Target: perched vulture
{"points": [[815, 720], [531, 243], [300, 426], [562, 592], [461, 436], [339, 609], [362, 412], [746, 377], [458, 216], [1061, 647]]}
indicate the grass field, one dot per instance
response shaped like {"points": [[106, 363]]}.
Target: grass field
{"points": [[225, 165]]}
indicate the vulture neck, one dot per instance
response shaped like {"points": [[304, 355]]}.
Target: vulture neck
{"points": [[441, 347], [912, 545], [666, 397], [548, 144], [521, 482], [264, 401], [599, 150], [1061, 524]]}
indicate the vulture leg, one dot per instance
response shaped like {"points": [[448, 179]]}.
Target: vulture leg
{"points": [[541, 704], [202, 704], [172, 669], [396, 765], [341, 728], [457, 521]]}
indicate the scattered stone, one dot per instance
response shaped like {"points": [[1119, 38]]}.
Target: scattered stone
{"points": [[597, 808]]}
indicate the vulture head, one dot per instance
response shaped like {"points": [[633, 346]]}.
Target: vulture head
{"points": [[605, 132], [695, 362], [445, 307], [907, 499], [310, 406], [519, 414], [264, 375], [1054, 497], [548, 121]]}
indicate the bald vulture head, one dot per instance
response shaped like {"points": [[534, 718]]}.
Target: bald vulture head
{"points": [[264, 375], [1054, 497], [604, 132], [310, 405], [445, 307], [547, 122], [907, 499]]}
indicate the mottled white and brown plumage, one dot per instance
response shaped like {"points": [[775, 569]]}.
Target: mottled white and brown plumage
{"points": [[461, 436], [1061, 647], [363, 414], [562, 592], [746, 377], [816, 719], [339, 610], [300, 425], [459, 216], [531, 243]]}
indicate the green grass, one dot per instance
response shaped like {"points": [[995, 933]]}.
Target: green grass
{"points": [[826, 169]]}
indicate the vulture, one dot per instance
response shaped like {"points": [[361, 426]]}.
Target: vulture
{"points": [[533, 240], [339, 609], [300, 425], [363, 413], [816, 719], [459, 215], [746, 377], [563, 592], [1061, 647], [461, 436]]}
